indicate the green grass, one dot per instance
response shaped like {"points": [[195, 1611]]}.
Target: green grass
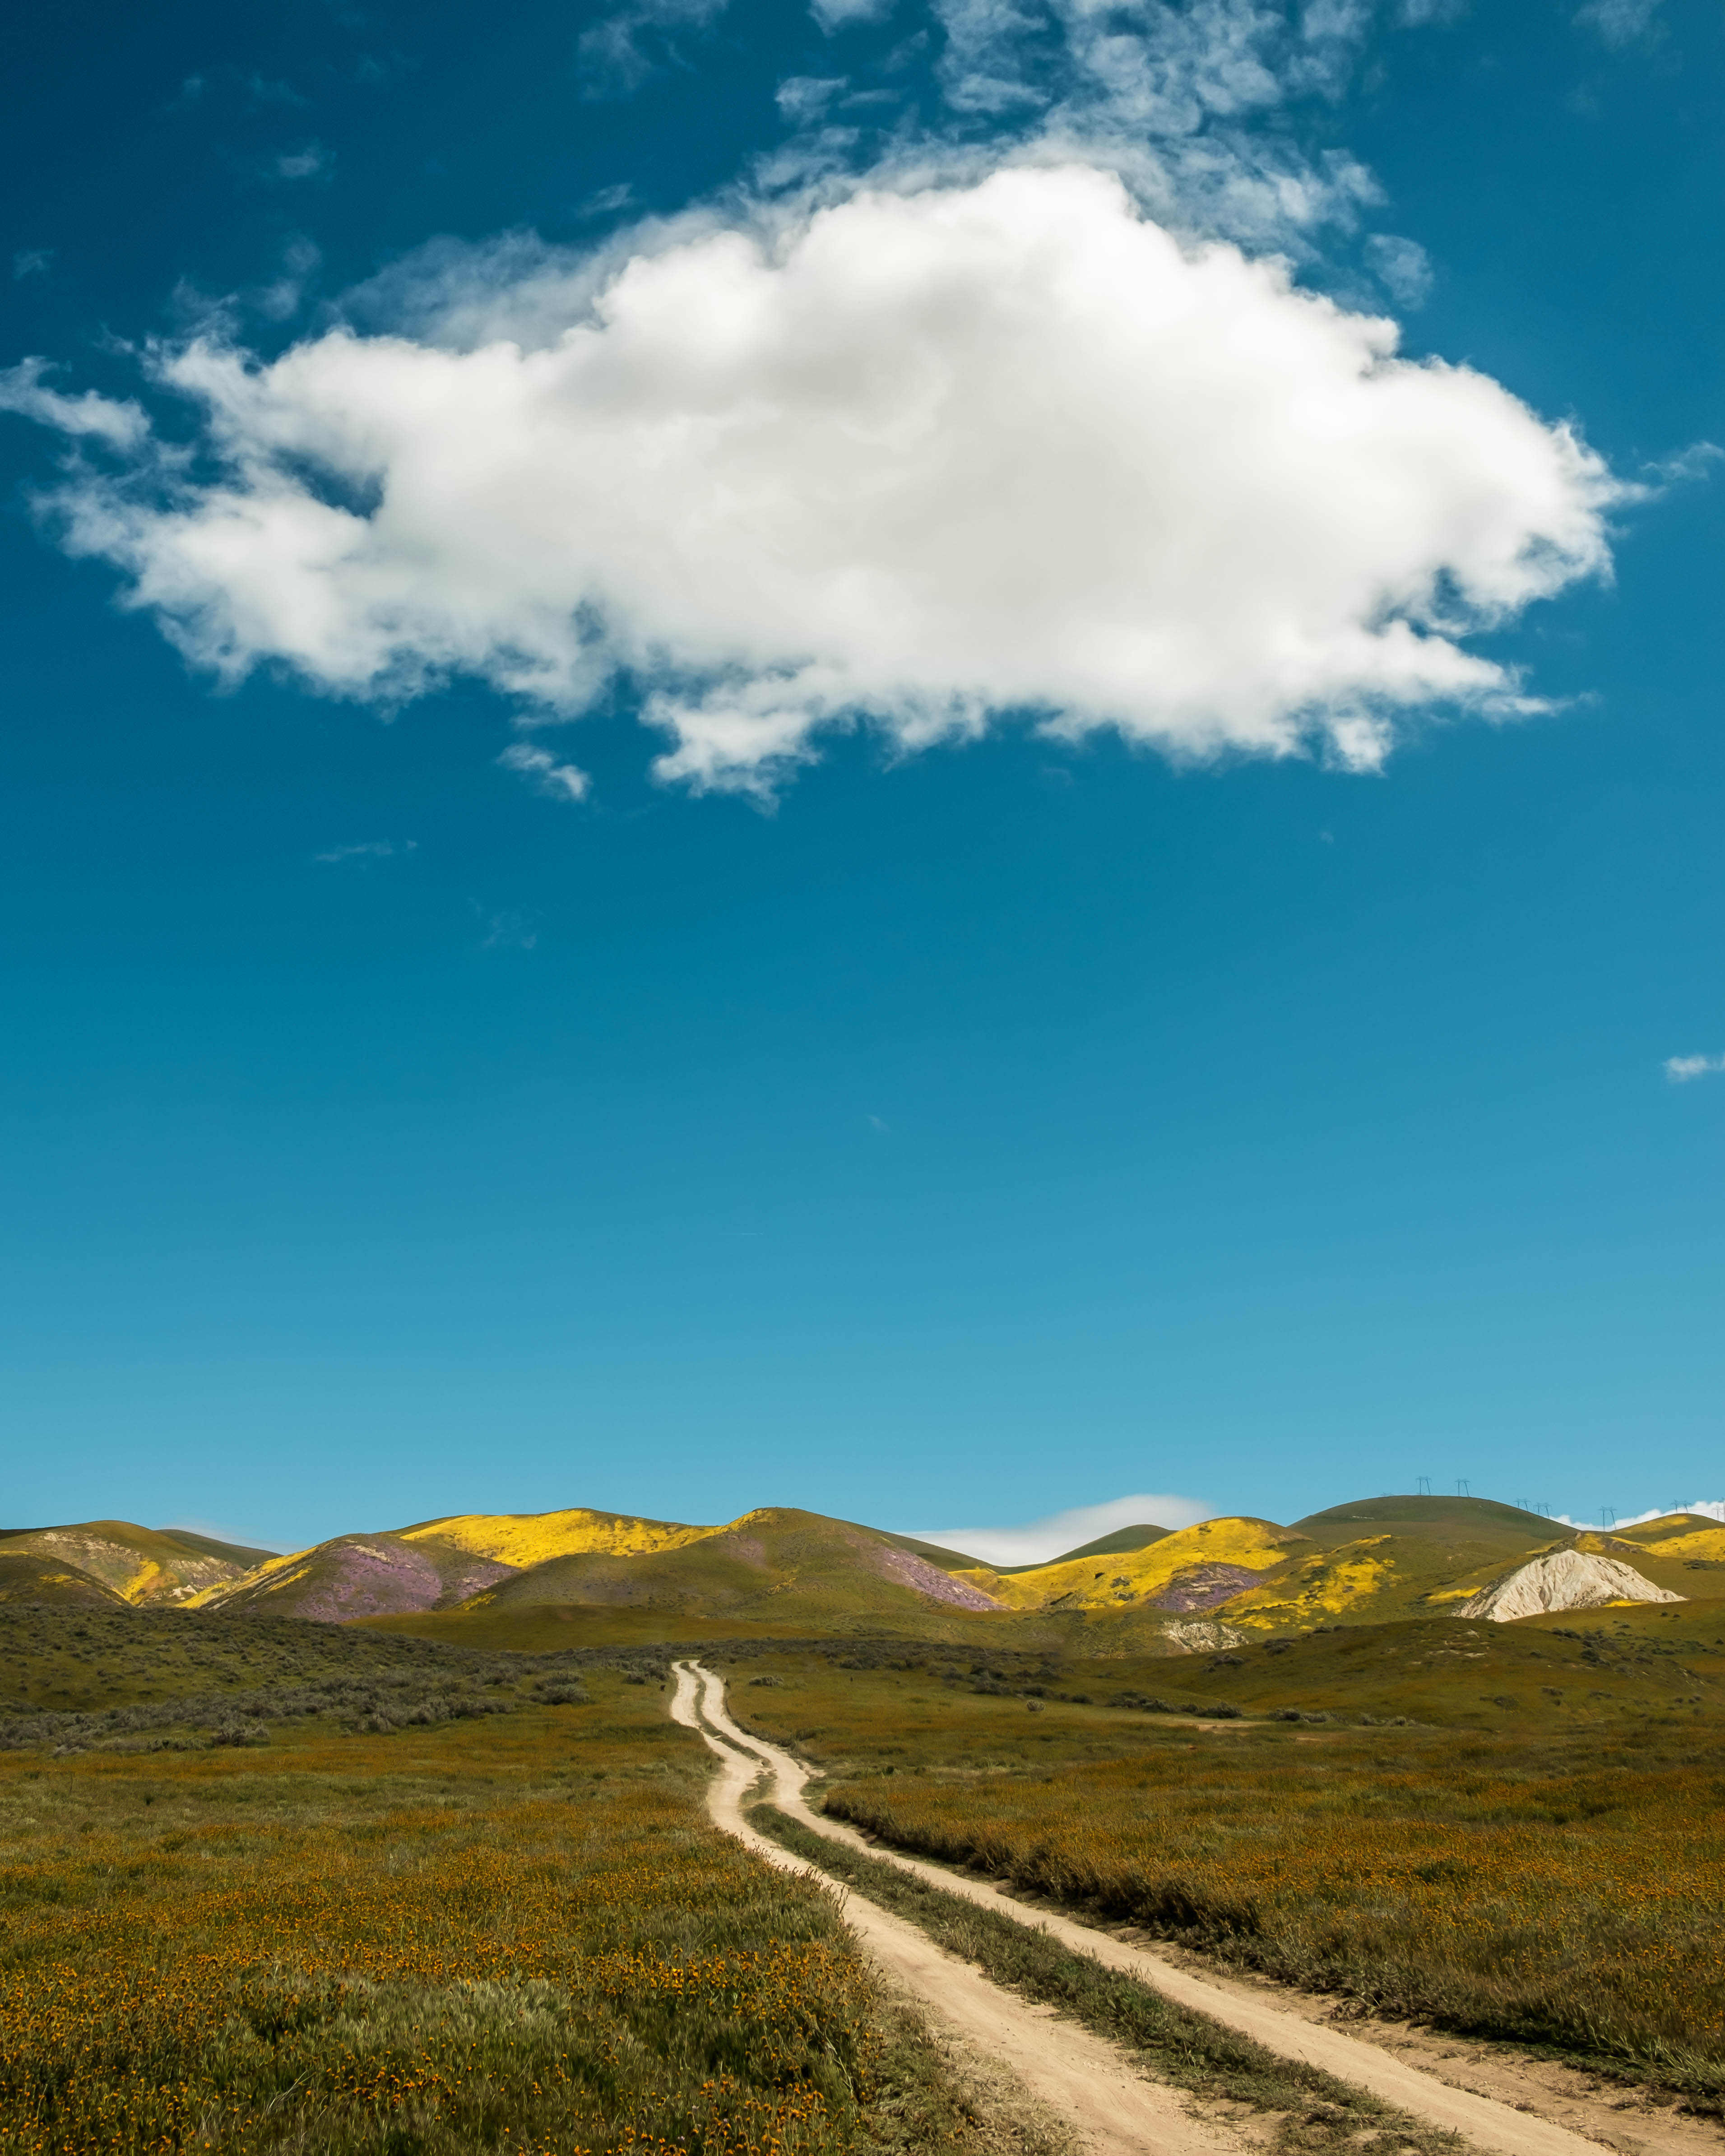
{"points": [[1318, 2111], [1599, 1670], [1552, 1878], [517, 1936]]}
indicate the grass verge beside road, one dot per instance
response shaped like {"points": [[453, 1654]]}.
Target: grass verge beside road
{"points": [[1556, 1884], [1316, 2112]]}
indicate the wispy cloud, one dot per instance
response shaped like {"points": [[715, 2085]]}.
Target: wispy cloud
{"points": [[31, 262], [229, 83], [313, 162], [299, 259], [1621, 23], [121, 426], [1402, 266], [564, 781], [507, 931], [835, 15], [1697, 461], [1682, 1069], [803, 98], [369, 849], [1036, 1541], [606, 202], [619, 52]]}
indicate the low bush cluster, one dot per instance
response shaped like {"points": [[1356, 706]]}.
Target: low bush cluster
{"points": [[392, 1700], [1217, 1710]]}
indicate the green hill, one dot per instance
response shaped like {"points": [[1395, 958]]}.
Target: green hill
{"points": [[948, 1560], [1474, 1520], [793, 1567], [359, 1576], [1141, 1590], [26, 1578], [1600, 1664], [1121, 1543], [142, 1565], [436, 1565]]}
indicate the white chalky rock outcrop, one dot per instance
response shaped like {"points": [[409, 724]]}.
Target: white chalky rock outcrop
{"points": [[1566, 1579]]}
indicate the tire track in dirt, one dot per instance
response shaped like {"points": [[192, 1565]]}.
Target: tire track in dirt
{"points": [[1110, 2108], [1489, 2125]]}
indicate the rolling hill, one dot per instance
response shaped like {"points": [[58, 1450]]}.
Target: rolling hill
{"points": [[142, 1566], [25, 1577], [796, 1568], [1144, 1591], [435, 1564], [1191, 1571]]}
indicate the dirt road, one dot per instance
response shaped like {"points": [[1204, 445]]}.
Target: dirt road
{"points": [[1111, 2108], [1488, 2124]]}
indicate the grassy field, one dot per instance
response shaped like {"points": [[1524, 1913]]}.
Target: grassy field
{"points": [[1553, 1875], [361, 1891], [513, 1933], [1310, 2112]]}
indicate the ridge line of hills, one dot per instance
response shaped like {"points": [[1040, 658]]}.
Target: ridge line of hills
{"points": [[1221, 1584]]}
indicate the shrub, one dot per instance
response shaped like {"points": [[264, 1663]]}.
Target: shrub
{"points": [[240, 1731]]}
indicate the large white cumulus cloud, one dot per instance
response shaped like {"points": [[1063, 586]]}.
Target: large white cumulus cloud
{"points": [[918, 458]]}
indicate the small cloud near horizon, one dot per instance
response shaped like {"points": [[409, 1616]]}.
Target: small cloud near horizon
{"points": [[1680, 1069], [1705, 1508], [1035, 1541]]}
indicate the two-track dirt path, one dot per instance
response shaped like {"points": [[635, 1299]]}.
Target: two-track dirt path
{"points": [[1111, 2107], [1085, 2079]]}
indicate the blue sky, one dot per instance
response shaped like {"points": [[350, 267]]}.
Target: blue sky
{"points": [[610, 899]]}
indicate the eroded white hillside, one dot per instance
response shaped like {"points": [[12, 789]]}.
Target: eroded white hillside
{"points": [[1566, 1579]]}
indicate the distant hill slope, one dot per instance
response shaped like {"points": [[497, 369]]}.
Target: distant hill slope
{"points": [[435, 1564], [1684, 1552], [1191, 1569], [26, 1578], [238, 1553], [142, 1565], [1118, 1544], [793, 1567], [521, 1539], [1374, 1561], [359, 1576], [1481, 1521], [1141, 1590], [948, 1560], [1121, 1540], [1381, 1559], [807, 1568]]}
